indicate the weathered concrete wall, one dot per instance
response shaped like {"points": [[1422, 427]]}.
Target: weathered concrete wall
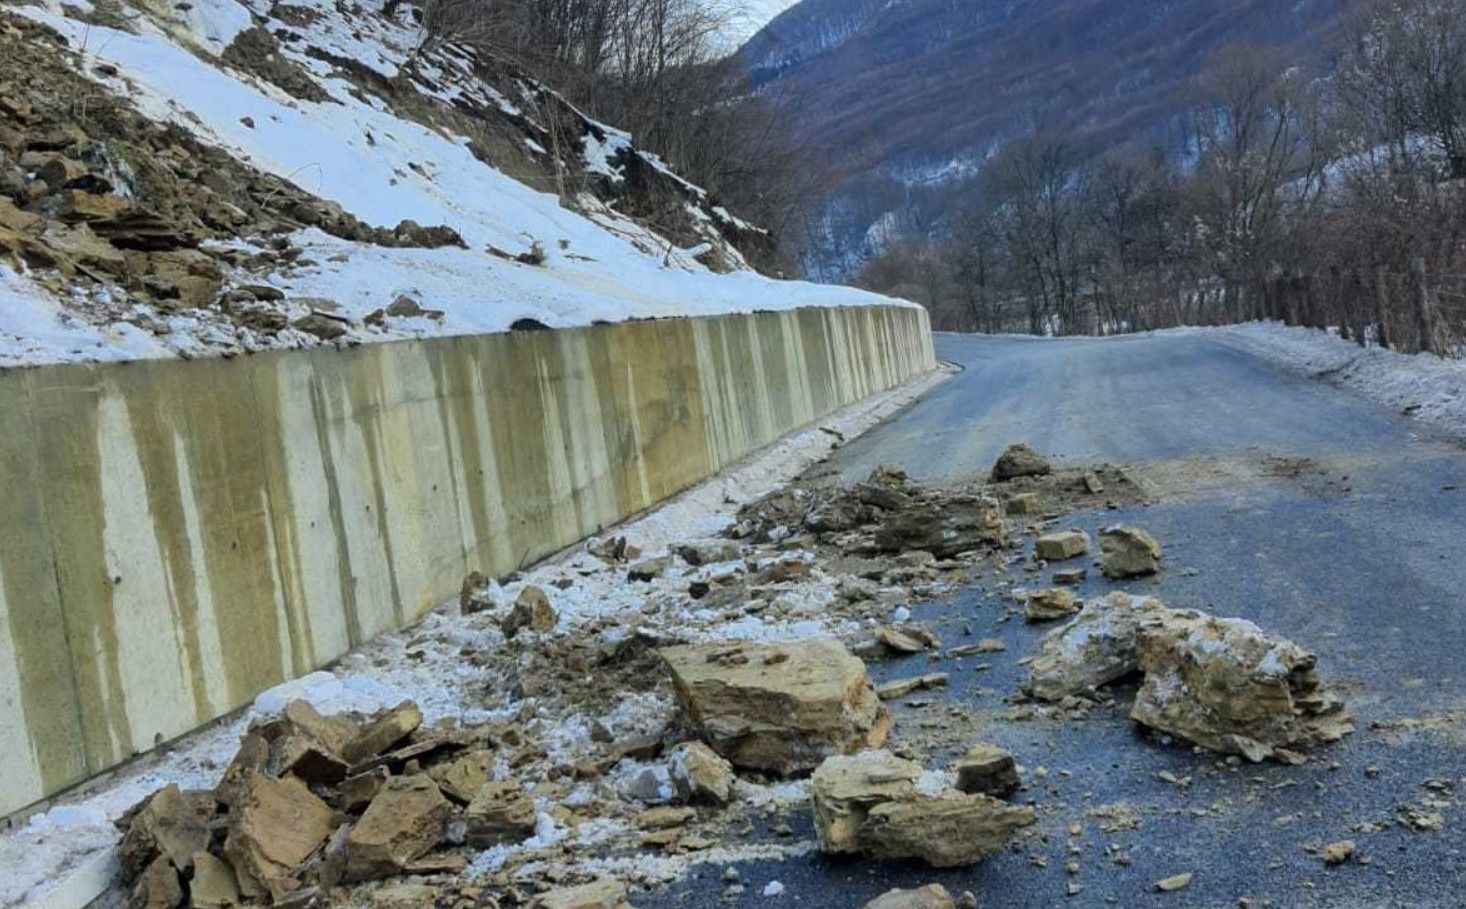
{"points": [[177, 536]]}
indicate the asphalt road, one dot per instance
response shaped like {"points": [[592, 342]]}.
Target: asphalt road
{"points": [[1356, 554]]}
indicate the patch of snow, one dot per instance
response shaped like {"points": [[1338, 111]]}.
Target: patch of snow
{"points": [[1431, 388]]}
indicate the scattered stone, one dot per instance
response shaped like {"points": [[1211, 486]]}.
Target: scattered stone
{"points": [[932, 896], [323, 326], [157, 887], [213, 885], [988, 770], [1050, 605], [649, 569], [473, 596], [274, 827], [1338, 853], [991, 645], [710, 552], [1173, 883], [170, 823], [845, 789], [902, 687], [1066, 544], [1071, 577], [907, 638], [1020, 461], [600, 894], [781, 708], [1025, 503], [1092, 484], [532, 610], [958, 524], [1128, 552], [382, 733], [665, 817], [502, 812], [463, 776], [700, 775]]}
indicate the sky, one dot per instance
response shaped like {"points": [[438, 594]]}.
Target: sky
{"points": [[751, 15]]}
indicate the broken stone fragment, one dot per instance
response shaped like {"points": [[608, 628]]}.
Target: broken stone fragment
{"points": [[170, 823], [1128, 552], [157, 887], [213, 885], [532, 611], [308, 745], [462, 777], [274, 827], [1026, 503], [1019, 461], [907, 638], [665, 817], [945, 831], [902, 687], [988, 770], [1066, 544], [406, 819], [1230, 687], [600, 894], [700, 775], [932, 896], [323, 326], [78, 205], [472, 597], [649, 569], [502, 812], [1050, 605], [710, 552], [383, 732], [1174, 882], [961, 523], [1094, 648], [1338, 853], [781, 708], [845, 788], [1071, 577], [251, 758]]}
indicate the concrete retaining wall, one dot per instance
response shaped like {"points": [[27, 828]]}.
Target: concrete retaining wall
{"points": [[177, 536]]}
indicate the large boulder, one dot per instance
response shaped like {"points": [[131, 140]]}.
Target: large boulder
{"points": [[845, 789], [1228, 686], [1020, 461], [778, 708]]}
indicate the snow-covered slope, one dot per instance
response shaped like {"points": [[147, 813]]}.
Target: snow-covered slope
{"points": [[381, 134]]}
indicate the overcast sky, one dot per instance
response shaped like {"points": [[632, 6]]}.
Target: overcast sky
{"points": [[751, 15]]}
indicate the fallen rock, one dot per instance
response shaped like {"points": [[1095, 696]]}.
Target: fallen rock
{"points": [[1066, 544], [463, 776], [308, 745], [870, 804], [157, 887], [1096, 647], [665, 817], [1230, 687], [649, 569], [213, 885], [932, 896], [323, 326], [1020, 461], [473, 597], [1338, 853], [1071, 577], [899, 688], [958, 524], [274, 827], [1026, 503], [1174, 882], [383, 732], [406, 819], [1128, 552], [1050, 605], [170, 823], [532, 610], [710, 552], [781, 708], [987, 770], [600, 894], [844, 790], [700, 775], [907, 638], [502, 812]]}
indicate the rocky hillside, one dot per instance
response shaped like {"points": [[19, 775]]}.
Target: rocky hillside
{"points": [[904, 98], [227, 176]]}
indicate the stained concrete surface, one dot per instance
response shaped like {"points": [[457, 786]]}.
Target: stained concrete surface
{"points": [[1278, 498]]}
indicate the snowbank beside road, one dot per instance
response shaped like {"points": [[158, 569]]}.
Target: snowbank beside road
{"points": [[1429, 388]]}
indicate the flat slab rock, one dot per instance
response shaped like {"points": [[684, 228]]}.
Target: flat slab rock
{"points": [[932, 896], [779, 708], [870, 804], [1224, 684]]}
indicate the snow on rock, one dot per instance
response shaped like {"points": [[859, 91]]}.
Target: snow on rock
{"points": [[1429, 387]]}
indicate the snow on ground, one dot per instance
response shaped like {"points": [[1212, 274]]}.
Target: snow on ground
{"points": [[33, 327], [37, 857], [352, 150], [1430, 388]]}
